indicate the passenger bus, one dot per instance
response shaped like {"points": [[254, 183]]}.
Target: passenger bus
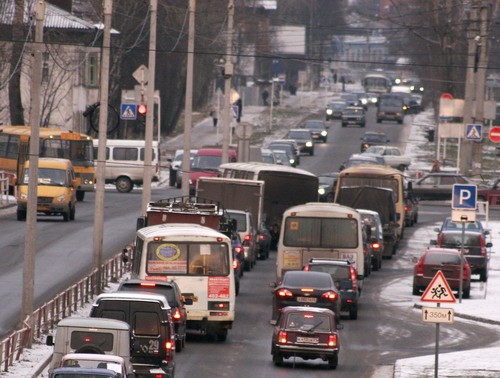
{"points": [[319, 230], [284, 186], [54, 143], [199, 259], [381, 177], [376, 83]]}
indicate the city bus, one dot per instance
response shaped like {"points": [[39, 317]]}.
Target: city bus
{"points": [[54, 143], [376, 83], [199, 259], [320, 230], [378, 176]]}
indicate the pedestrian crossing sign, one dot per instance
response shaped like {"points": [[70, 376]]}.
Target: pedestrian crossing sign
{"points": [[438, 291], [128, 111], [474, 132]]}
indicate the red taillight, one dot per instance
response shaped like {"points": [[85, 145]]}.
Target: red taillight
{"points": [[375, 245], [238, 249], [247, 237], [262, 237], [284, 293], [407, 208], [177, 314], [307, 267], [330, 295], [354, 278], [419, 268], [147, 284], [332, 340], [282, 337]]}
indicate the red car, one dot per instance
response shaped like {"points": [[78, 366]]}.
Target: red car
{"points": [[446, 260], [490, 193]]}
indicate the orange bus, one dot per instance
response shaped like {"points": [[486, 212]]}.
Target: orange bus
{"points": [[56, 143]]}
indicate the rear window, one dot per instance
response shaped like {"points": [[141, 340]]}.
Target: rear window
{"points": [[241, 221], [337, 272], [167, 291], [321, 232], [304, 279], [308, 320], [455, 240], [146, 324], [442, 258], [103, 340]]}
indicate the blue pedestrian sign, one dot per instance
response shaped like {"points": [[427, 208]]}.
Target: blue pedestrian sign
{"points": [[128, 111], [464, 197], [474, 132]]}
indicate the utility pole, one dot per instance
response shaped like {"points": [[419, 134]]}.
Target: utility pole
{"points": [[150, 93], [228, 73], [188, 106], [31, 213], [481, 56], [101, 149]]}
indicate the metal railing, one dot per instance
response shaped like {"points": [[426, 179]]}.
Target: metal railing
{"points": [[4, 187], [63, 305]]}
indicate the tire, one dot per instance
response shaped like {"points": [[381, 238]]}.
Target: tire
{"points": [[333, 362], [416, 290], [380, 263], [375, 265], [311, 153], [343, 125], [277, 359], [222, 335], [353, 313], [247, 266], [80, 195], [178, 346], [67, 215], [178, 184], [124, 184], [362, 125], [483, 276], [400, 121], [237, 288], [72, 213], [21, 215], [379, 120]]}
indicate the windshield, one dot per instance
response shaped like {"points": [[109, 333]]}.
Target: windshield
{"points": [[48, 176], [314, 125], [206, 162], [80, 152], [375, 138]]}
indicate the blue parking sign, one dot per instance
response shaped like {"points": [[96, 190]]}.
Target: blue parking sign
{"points": [[464, 197]]}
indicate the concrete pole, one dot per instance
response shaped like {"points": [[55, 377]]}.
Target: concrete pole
{"points": [[31, 213], [228, 73], [101, 149], [188, 102], [150, 94]]}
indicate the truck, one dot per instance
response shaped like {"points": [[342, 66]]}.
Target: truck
{"points": [[392, 156], [376, 199]]}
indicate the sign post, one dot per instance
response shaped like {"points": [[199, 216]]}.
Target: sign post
{"points": [[438, 291]]}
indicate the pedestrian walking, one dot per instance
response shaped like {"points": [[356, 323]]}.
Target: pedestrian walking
{"points": [[214, 116]]}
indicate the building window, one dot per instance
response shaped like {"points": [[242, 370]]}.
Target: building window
{"points": [[45, 68]]}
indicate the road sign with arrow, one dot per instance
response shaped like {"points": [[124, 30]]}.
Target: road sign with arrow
{"points": [[438, 315]]}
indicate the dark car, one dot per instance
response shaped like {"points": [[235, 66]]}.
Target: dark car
{"points": [[375, 232], [351, 99], [72, 372], [238, 253], [334, 110], [308, 333], [326, 186], [475, 249], [171, 291], [282, 157], [303, 288], [411, 211], [373, 138], [437, 186], [344, 276], [290, 146], [318, 129], [263, 242], [449, 262], [353, 115], [304, 140]]}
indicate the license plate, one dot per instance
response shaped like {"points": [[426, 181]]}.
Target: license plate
{"points": [[309, 340], [306, 299]]}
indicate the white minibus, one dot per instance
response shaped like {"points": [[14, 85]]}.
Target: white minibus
{"points": [[125, 163], [199, 259], [319, 230]]}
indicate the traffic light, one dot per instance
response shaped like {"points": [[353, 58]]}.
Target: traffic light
{"points": [[142, 109]]}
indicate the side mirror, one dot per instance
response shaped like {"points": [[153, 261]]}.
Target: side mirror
{"points": [[433, 242], [126, 254], [74, 183], [489, 245]]}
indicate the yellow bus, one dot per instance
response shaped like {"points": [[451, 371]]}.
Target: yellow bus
{"points": [[54, 143], [378, 176]]}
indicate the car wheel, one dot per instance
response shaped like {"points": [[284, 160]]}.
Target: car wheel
{"points": [[344, 125], [67, 215], [178, 184], [247, 266], [400, 121], [362, 125], [21, 215], [380, 263], [333, 362], [178, 346], [277, 359], [415, 220], [311, 153], [375, 265], [416, 290], [483, 277], [124, 184], [466, 293], [222, 335], [80, 195], [353, 313]]}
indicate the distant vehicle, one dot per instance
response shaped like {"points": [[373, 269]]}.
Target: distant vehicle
{"points": [[490, 193], [282, 157], [447, 261], [438, 186], [288, 145], [238, 260], [318, 129], [373, 138], [345, 277], [448, 224], [72, 372], [334, 110], [392, 156], [206, 163], [374, 226], [376, 83], [176, 164], [306, 332], [357, 159], [475, 249], [304, 140], [96, 361], [390, 108], [351, 99], [247, 234], [303, 288], [267, 156], [353, 115], [263, 241], [326, 189], [411, 211]]}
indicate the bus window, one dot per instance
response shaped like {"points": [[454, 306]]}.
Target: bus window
{"points": [[318, 232]]}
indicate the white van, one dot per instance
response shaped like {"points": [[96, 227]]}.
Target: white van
{"points": [[125, 163]]}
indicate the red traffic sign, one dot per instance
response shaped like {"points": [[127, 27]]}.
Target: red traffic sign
{"points": [[447, 96], [438, 291], [494, 134]]}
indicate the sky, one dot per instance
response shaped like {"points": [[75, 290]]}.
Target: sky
{"points": [[484, 303]]}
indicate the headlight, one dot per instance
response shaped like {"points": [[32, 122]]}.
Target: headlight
{"points": [[364, 101], [324, 133], [309, 144], [292, 161], [329, 111], [321, 191], [61, 198]]}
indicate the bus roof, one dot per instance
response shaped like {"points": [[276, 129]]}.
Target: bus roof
{"points": [[45, 132], [322, 207], [184, 229], [258, 167], [370, 169]]}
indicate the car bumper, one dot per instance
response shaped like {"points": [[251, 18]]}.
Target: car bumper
{"points": [[305, 351]]}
